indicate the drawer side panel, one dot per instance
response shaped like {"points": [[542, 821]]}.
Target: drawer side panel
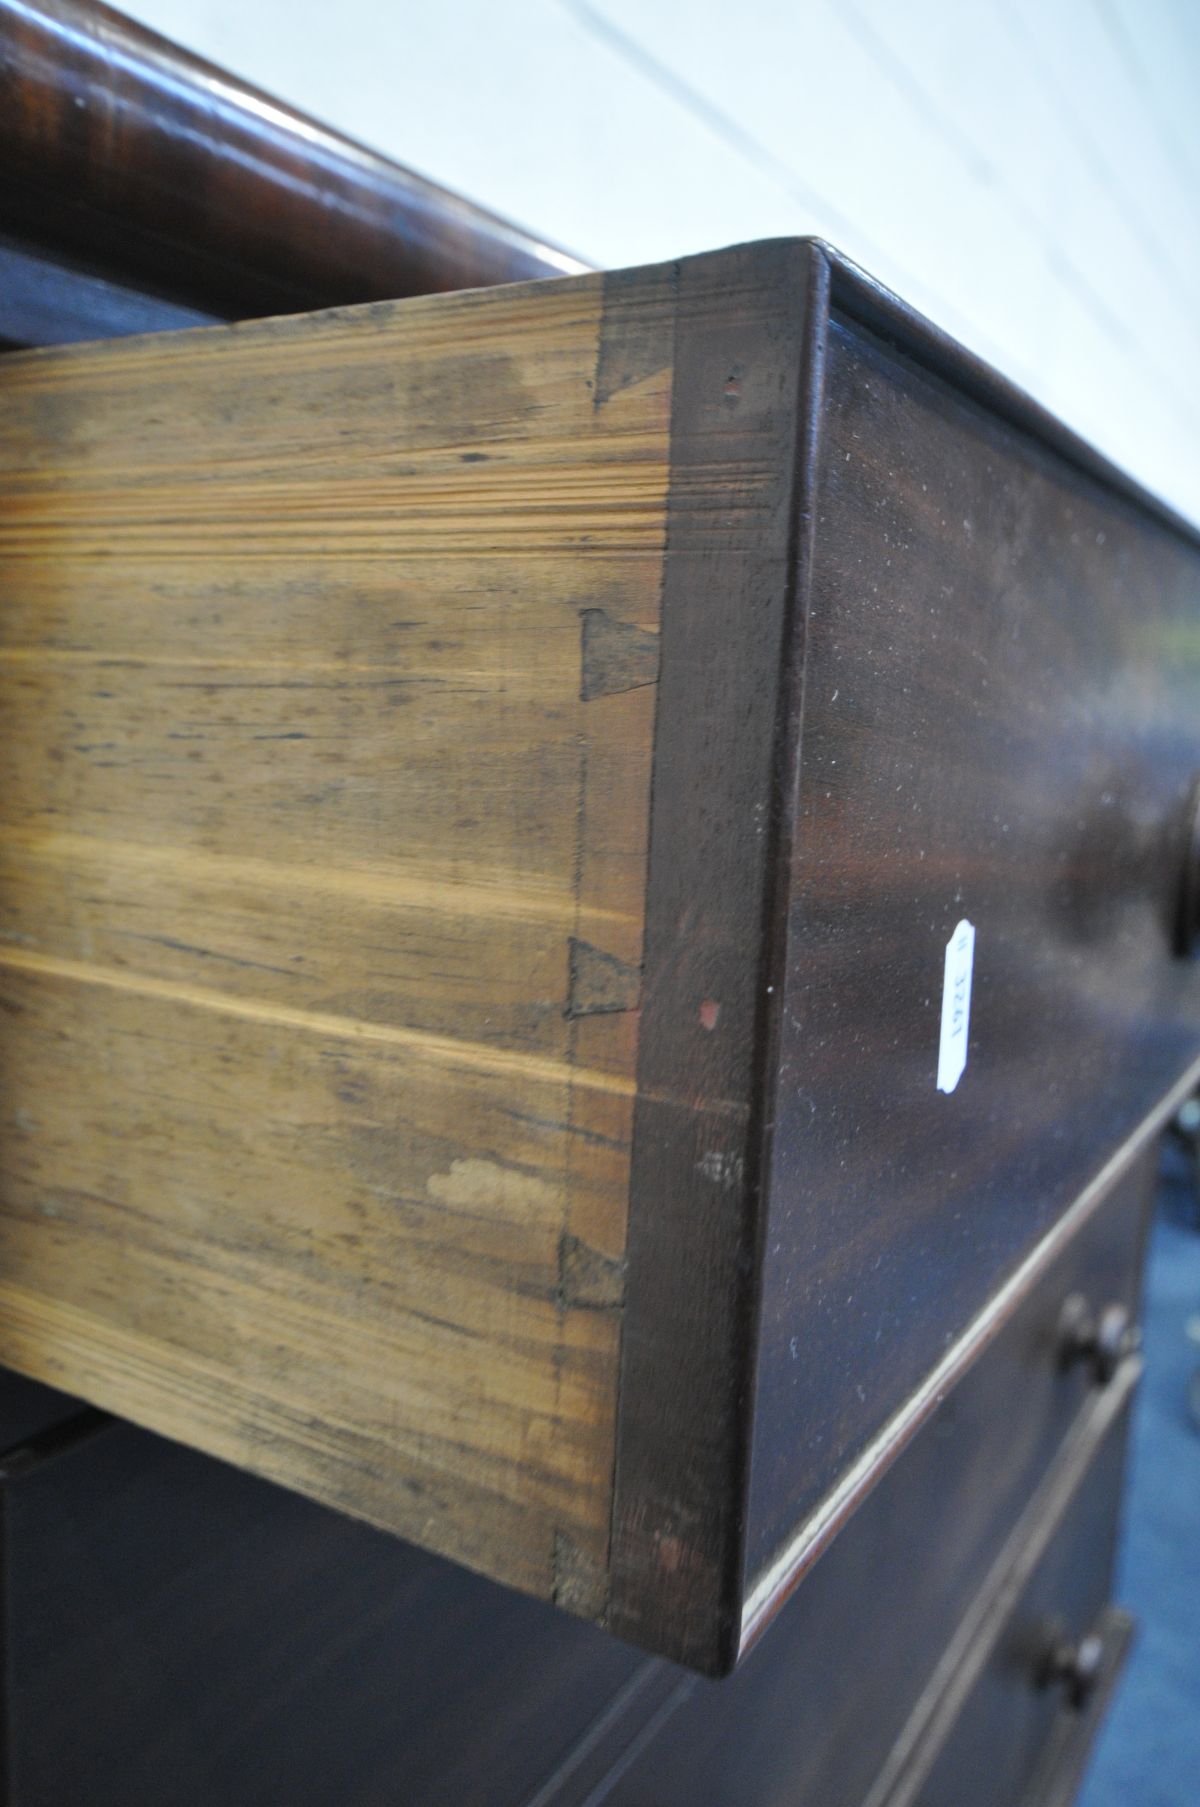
{"points": [[328, 660]]}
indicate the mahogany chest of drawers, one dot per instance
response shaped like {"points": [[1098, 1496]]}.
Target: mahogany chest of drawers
{"points": [[598, 888]]}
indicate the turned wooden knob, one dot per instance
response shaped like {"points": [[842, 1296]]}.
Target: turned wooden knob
{"points": [[1074, 1665], [1188, 932], [1101, 1338]]}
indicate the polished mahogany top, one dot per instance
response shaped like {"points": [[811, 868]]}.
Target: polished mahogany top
{"points": [[122, 153]]}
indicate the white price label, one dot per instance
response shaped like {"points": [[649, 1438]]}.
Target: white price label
{"points": [[956, 1007]]}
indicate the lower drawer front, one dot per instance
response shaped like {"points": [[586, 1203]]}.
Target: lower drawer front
{"points": [[1043, 1671], [812, 1716]]}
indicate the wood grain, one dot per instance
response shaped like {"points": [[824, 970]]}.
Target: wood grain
{"points": [[309, 1156]]}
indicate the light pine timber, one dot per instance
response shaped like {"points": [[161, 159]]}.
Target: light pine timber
{"points": [[327, 661]]}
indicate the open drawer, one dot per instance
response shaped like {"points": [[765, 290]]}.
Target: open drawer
{"points": [[494, 785]]}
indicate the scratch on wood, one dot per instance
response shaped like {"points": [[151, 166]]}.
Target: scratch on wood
{"points": [[599, 983], [616, 656]]}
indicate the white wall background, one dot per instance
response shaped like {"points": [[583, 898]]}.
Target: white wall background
{"points": [[1027, 172]]}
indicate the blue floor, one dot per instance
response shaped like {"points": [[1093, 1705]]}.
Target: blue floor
{"points": [[1148, 1754]]}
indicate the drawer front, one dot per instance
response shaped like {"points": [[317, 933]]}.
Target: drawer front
{"points": [[1000, 727], [815, 1709], [1050, 1657]]}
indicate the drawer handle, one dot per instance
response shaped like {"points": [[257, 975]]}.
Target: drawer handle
{"points": [[1102, 1339], [1188, 933], [1074, 1665]]}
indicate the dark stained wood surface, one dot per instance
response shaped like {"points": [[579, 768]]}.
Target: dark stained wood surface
{"points": [[27, 1409], [142, 164], [978, 718], [1061, 1768], [179, 1634], [728, 619], [1015, 1710], [856, 296], [813, 1711], [1001, 722]]}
